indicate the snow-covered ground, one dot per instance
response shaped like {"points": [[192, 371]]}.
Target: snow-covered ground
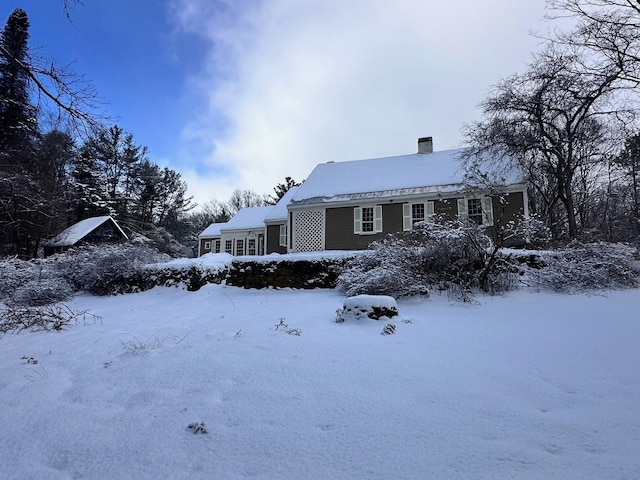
{"points": [[527, 386]]}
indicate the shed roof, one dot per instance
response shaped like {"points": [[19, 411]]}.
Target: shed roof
{"points": [[78, 231]]}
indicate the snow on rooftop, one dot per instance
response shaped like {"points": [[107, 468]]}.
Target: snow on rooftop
{"points": [[247, 218], [418, 173], [279, 211], [212, 230], [76, 232]]}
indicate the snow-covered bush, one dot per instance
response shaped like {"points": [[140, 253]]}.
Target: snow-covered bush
{"points": [[432, 255], [39, 292], [15, 273], [104, 269], [581, 267]]}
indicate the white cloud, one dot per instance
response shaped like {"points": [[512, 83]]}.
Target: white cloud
{"points": [[289, 84]]}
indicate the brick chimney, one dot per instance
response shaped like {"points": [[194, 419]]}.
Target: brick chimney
{"points": [[425, 145]]}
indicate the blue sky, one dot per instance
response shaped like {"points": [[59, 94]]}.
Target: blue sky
{"points": [[240, 94]]}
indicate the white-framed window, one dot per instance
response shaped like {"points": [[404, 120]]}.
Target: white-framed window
{"points": [[228, 247], [367, 220], [251, 246], [476, 209], [207, 246], [239, 246], [413, 213], [216, 246], [283, 236]]}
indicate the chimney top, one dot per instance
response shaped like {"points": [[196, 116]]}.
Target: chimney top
{"points": [[425, 145]]}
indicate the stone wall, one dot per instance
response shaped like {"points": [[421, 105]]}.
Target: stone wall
{"points": [[303, 274]]}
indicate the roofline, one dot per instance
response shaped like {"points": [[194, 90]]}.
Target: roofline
{"points": [[301, 205], [234, 230]]}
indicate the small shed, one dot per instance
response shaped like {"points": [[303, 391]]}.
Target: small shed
{"points": [[92, 230]]}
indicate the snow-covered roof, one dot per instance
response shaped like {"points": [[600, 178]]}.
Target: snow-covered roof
{"points": [[279, 210], [212, 230], [247, 219], [415, 174], [78, 231]]}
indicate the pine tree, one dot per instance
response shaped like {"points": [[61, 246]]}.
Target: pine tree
{"points": [[283, 188], [18, 122], [22, 213], [89, 192]]}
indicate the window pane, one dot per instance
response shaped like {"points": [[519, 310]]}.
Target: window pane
{"points": [[417, 212], [474, 206], [367, 219]]}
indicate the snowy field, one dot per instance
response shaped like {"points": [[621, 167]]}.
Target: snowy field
{"points": [[527, 386]]}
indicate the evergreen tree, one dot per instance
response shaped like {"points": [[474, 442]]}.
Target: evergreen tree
{"points": [[18, 122], [117, 157], [89, 192], [282, 188], [22, 212]]}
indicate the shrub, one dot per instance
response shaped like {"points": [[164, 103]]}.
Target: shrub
{"points": [[36, 293], [581, 267], [440, 254], [104, 269], [15, 274]]}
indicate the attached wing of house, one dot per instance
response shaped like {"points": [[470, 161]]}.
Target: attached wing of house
{"points": [[209, 239], [244, 234], [251, 231]]}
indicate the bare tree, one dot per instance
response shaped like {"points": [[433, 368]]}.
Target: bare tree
{"points": [[608, 29], [555, 120], [72, 96], [246, 198]]}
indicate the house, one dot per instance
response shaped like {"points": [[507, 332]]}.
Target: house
{"points": [[88, 231], [348, 205]]}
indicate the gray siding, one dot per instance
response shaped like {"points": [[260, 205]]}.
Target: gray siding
{"points": [[505, 213], [339, 221], [273, 240], [513, 208], [201, 248], [202, 241], [339, 227]]}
